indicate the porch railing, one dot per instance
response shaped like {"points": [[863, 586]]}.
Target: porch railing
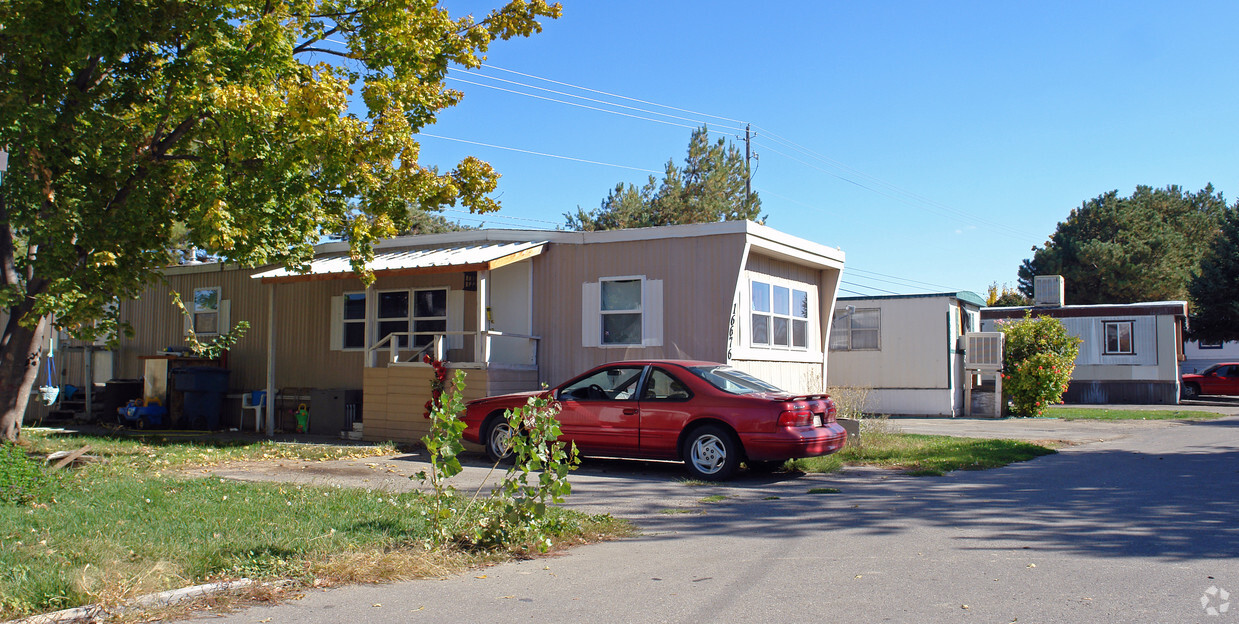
{"points": [[399, 350]]}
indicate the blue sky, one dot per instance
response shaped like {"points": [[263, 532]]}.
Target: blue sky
{"points": [[934, 142]]}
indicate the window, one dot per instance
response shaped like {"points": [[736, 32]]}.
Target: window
{"points": [[621, 311], [206, 311], [393, 315], [429, 315], [1210, 344], [662, 386], [1118, 338], [857, 330], [733, 381], [354, 321], [779, 316], [618, 383]]}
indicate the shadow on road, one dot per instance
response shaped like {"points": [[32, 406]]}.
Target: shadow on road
{"points": [[1109, 503]]}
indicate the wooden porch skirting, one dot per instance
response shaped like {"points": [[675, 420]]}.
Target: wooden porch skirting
{"points": [[395, 397]]}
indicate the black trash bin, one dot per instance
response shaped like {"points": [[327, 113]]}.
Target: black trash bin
{"points": [[204, 388]]}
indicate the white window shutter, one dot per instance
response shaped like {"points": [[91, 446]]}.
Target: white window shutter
{"points": [[591, 314], [225, 316], [652, 314], [456, 318], [337, 324]]}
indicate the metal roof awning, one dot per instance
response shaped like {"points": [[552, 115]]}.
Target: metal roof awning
{"points": [[412, 262]]}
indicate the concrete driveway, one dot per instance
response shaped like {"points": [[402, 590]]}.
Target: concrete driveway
{"points": [[1138, 528]]}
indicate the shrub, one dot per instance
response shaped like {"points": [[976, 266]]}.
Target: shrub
{"points": [[517, 512], [22, 480], [1039, 356]]}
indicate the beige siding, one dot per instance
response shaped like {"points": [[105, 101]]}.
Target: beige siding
{"points": [[796, 370], [913, 349], [698, 278], [395, 398], [798, 377]]}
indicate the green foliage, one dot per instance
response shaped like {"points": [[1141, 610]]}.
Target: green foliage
{"points": [[257, 126], [1039, 356], [1215, 290], [215, 347], [22, 479], [710, 187], [1117, 249], [421, 222], [518, 510], [1005, 296], [443, 446]]}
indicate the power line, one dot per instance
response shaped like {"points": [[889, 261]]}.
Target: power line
{"points": [[542, 97], [882, 290], [525, 151], [942, 212], [581, 97], [616, 95], [487, 216], [914, 196], [919, 201], [904, 279]]}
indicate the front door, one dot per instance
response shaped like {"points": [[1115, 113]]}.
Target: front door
{"points": [[600, 412]]}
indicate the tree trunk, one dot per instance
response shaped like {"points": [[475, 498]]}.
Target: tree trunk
{"points": [[20, 354]]}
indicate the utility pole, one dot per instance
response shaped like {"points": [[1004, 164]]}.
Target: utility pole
{"points": [[748, 170]]}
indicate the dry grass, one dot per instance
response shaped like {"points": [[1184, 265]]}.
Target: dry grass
{"points": [[849, 400]]}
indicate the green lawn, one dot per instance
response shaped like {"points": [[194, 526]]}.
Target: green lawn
{"points": [[1102, 413], [924, 454], [131, 525]]}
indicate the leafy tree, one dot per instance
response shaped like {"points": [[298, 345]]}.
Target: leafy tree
{"points": [[236, 118], [422, 222], [1004, 296], [1125, 249], [1215, 290], [710, 187], [1038, 358]]}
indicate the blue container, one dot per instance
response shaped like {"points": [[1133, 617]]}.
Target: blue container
{"points": [[204, 388]]}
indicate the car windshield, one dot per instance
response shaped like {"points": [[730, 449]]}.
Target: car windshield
{"points": [[731, 380], [1211, 369]]}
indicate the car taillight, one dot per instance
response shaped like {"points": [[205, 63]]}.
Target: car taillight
{"points": [[796, 418], [830, 410]]}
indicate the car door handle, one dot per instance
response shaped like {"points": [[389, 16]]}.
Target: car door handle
{"points": [[630, 411]]}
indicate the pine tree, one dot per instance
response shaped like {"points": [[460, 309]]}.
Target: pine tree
{"points": [[710, 187], [1215, 290]]}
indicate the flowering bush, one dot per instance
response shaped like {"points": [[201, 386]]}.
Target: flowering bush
{"points": [[1039, 358], [436, 385]]}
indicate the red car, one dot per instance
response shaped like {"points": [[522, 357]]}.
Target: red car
{"points": [[711, 416], [1217, 379]]}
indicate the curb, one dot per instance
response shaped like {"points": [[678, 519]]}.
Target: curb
{"points": [[96, 613]]}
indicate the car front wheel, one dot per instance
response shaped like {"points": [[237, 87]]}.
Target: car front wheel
{"points": [[1190, 391], [711, 453], [498, 439]]}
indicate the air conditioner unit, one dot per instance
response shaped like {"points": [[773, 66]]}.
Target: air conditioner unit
{"points": [[983, 351], [1048, 290]]}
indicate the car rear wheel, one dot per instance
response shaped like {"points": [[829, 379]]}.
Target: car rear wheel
{"points": [[1191, 391], [498, 439], [711, 453]]}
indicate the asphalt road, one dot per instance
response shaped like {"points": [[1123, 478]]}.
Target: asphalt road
{"points": [[1136, 528]]}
